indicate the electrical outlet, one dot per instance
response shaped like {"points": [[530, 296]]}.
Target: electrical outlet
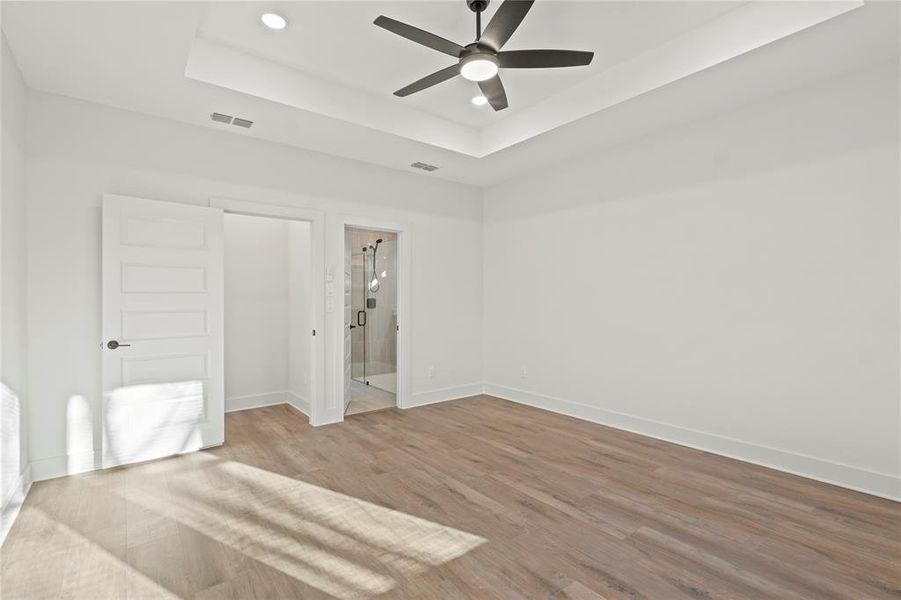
{"points": [[522, 373], [431, 372]]}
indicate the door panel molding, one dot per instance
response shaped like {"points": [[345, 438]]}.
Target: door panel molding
{"points": [[162, 303]]}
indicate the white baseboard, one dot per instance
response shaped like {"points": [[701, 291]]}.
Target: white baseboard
{"points": [[299, 402], [855, 478], [13, 502], [237, 403], [68, 464], [444, 394], [82, 462]]}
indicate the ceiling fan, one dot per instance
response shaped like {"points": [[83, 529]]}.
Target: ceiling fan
{"points": [[480, 60]]}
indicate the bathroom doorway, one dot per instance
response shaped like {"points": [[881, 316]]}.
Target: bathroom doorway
{"points": [[371, 320]]}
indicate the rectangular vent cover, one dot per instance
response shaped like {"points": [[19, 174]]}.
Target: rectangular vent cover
{"points": [[228, 119], [424, 166]]}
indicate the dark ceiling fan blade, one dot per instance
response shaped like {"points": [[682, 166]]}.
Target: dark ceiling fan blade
{"points": [[504, 22], [429, 80], [419, 36], [494, 91], [543, 59]]}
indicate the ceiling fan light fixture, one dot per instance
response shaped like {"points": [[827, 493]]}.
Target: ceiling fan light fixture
{"points": [[478, 67], [480, 60], [274, 21], [480, 100]]}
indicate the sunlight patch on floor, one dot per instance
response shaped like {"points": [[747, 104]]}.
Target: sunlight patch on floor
{"points": [[333, 542], [83, 566]]}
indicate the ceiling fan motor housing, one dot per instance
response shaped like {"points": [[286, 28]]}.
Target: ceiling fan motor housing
{"points": [[478, 49]]}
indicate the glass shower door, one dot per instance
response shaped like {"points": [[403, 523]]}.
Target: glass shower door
{"points": [[374, 317], [358, 316], [381, 308]]}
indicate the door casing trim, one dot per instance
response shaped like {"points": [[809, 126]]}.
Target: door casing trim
{"points": [[404, 233], [316, 219]]}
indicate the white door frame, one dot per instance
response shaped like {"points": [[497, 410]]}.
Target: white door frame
{"points": [[316, 219], [404, 234]]}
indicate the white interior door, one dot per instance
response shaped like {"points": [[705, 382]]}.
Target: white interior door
{"points": [[163, 386]]}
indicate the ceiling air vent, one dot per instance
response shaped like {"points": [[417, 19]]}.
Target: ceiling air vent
{"points": [[424, 166], [228, 119]]}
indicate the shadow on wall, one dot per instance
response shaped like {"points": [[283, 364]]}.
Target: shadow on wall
{"points": [[860, 110]]}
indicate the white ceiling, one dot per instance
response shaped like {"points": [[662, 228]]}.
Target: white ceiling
{"points": [[337, 41], [657, 64]]}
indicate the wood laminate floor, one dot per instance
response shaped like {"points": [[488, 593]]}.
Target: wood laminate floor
{"points": [[476, 498]]}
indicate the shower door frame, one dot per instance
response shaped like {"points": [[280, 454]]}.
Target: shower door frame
{"points": [[367, 271], [403, 231]]}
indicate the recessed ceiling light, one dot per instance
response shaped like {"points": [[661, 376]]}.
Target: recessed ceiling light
{"points": [[274, 21], [480, 100]]}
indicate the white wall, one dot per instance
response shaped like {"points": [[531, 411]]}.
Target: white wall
{"points": [[267, 312], [731, 284], [256, 311], [78, 150], [13, 395]]}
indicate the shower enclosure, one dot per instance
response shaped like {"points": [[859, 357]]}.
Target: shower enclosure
{"points": [[374, 309]]}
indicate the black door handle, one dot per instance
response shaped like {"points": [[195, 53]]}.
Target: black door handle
{"points": [[113, 344]]}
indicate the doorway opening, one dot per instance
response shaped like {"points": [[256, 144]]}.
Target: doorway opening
{"points": [[164, 331], [371, 303], [268, 312]]}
